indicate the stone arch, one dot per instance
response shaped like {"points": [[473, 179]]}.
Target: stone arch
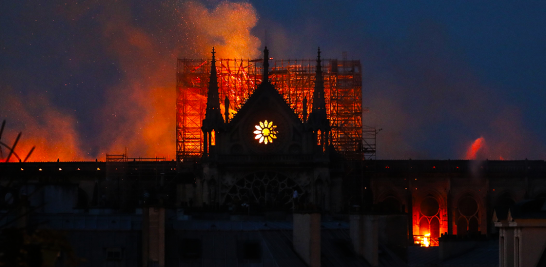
{"points": [[473, 226], [265, 189], [389, 199], [429, 207], [429, 216], [434, 228], [468, 213], [440, 197], [424, 226], [462, 226]]}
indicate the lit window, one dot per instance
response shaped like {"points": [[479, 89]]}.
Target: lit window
{"points": [[266, 132], [213, 138]]}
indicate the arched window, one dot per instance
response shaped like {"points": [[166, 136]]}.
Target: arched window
{"points": [[462, 226], [213, 138], [429, 219], [468, 216]]}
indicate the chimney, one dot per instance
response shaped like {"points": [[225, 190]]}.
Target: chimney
{"points": [[363, 230], [306, 237], [153, 236]]}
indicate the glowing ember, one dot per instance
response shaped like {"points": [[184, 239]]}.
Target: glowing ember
{"points": [[475, 148], [422, 240], [426, 241]]}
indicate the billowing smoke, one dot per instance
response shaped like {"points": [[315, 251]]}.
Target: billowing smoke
{"points": [[136, 45], [50, 130], [227, 27], [94, 77]]}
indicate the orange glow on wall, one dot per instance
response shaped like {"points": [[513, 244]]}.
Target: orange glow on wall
{"points": [[213, 138], [428, 223]]}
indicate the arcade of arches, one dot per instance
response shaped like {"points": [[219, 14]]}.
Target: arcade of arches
{"points": [[443, 203]]}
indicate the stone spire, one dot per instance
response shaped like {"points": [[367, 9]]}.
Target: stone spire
{"points": [[266, 66], [318, 112], [213, 116], [318, 121]]}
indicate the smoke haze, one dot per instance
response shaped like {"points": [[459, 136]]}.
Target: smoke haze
{"points": [[82, 79]]}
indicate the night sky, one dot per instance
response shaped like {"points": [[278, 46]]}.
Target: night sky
{"points": [[81, 79]]}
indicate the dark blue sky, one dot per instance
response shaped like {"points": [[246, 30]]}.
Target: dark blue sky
{"points": [[436, 74]]}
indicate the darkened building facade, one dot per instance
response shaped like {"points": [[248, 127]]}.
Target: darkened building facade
{"points": [[257, 165]]}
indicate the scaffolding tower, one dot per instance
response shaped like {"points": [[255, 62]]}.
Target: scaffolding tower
{"points": [[294, 79]]}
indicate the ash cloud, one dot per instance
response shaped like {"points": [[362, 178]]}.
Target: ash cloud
{"points": [[105, 73], [105, 70]]}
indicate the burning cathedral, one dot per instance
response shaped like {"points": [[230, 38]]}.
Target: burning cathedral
{"points": [[266, 155], [275, 168]]}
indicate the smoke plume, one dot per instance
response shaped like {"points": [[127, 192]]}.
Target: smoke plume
{"points": [[137, 45]]}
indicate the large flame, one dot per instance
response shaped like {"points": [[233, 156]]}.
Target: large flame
{"points": [[52, 131], [139, 112], [476, 147], [426, 240]]}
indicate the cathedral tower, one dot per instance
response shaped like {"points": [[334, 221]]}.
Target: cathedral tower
{"points": [[213, 121], [318, 121]]}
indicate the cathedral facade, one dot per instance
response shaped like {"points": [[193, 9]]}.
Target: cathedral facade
{"points": [[265, 156], [265, 159]]}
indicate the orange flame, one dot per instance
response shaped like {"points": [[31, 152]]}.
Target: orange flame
{"points": [[476, 147], [140, 112], [52, 131], [426, 240]]}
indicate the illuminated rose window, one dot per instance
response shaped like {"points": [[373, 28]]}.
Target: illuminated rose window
{"points": [[266, 132]]}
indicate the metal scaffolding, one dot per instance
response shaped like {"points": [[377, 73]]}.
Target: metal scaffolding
{"points": [[294, 79]]}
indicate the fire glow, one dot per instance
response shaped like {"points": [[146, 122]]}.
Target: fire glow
{"points": [[139, 113], [476, 147], [422, 240]]}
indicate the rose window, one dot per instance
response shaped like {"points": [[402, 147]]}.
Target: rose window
{"points": [[266, 132]]}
